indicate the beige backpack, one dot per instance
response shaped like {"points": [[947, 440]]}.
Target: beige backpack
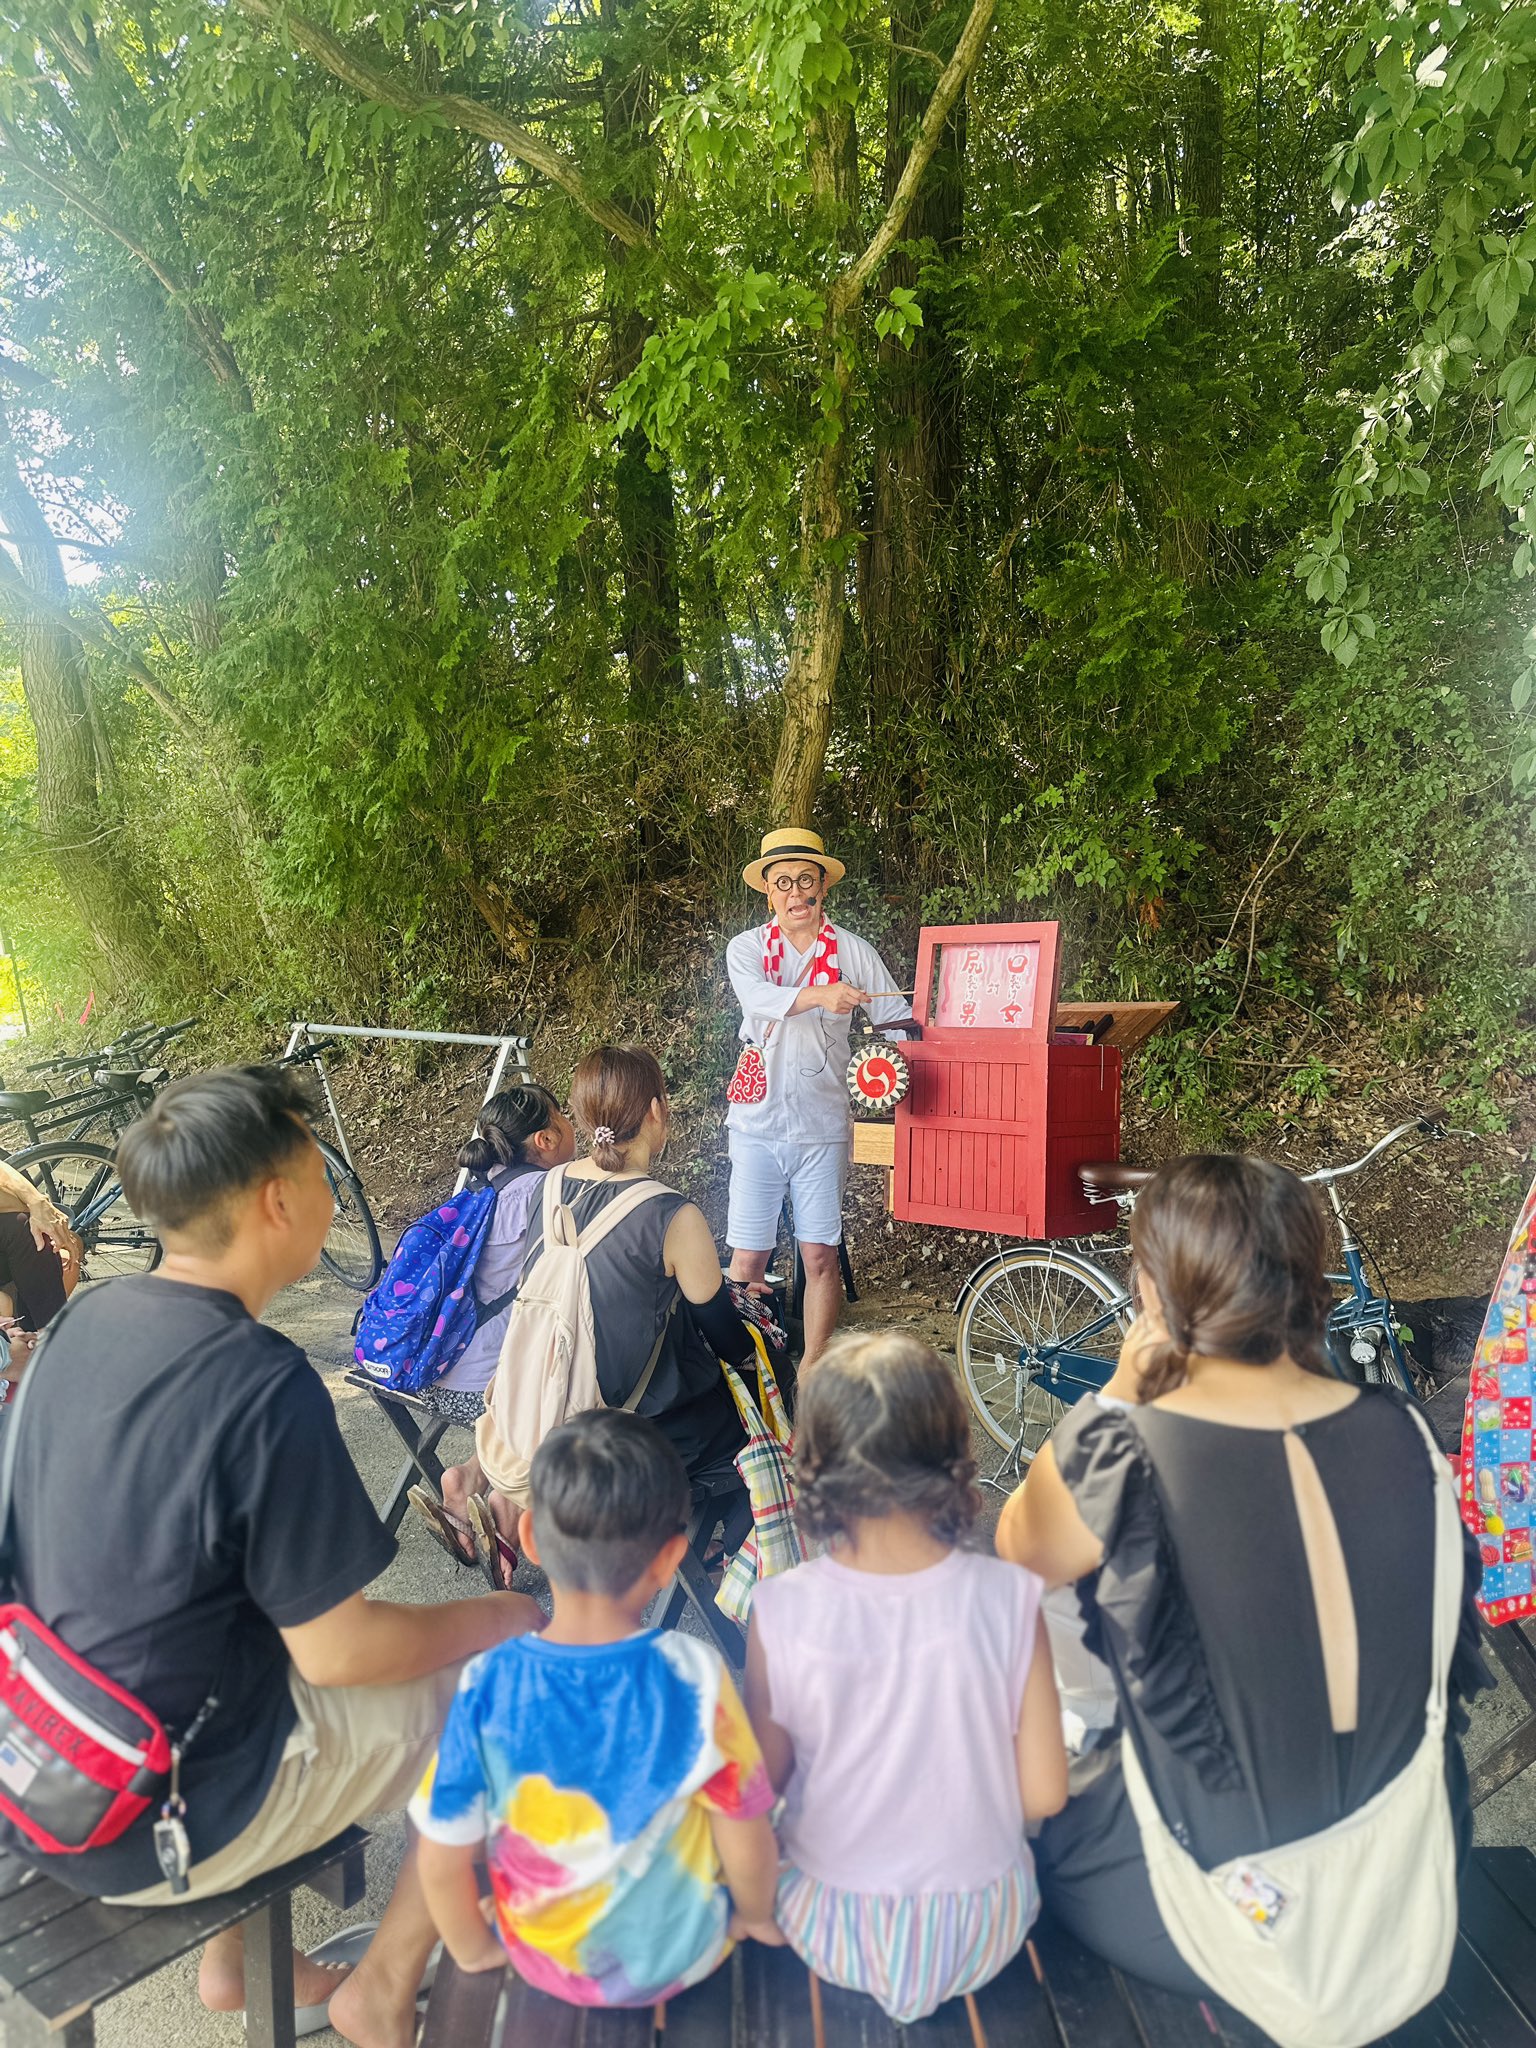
{"points": [[548, 1364], [1334, 1940]]}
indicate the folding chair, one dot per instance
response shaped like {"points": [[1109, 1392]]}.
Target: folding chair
{"points": [[420, 1429]]}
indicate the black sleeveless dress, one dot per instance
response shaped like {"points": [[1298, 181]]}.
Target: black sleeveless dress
{"points": [[1203, 1611], [632, 1294]]}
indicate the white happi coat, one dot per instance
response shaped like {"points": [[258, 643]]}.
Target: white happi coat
{"points": [[806, 1058]]}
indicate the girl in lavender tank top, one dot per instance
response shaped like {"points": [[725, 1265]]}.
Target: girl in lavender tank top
{"points": [[901, 1689]]}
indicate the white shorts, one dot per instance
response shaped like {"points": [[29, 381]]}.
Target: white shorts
{"points": [[764, 1172]]}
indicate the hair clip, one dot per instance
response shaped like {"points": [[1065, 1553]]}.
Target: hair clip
{"points": [[602, 1134]]}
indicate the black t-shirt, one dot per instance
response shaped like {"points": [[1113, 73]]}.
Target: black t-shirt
{"points": [[182, 1492]]}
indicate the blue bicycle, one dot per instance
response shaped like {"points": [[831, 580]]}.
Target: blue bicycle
{"points": [[1042, 1324]]}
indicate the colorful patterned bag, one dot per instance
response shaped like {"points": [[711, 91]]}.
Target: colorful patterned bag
{"points": [[1498, 1454], [775, 1544]]}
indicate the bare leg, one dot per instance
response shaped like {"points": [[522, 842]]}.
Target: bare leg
{"points": [[221, 1975], [376, 2005], [823, 1298], [750, 1269], [459, 1482]]}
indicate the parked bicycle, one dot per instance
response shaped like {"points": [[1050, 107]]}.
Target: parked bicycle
{"points": [[1041, 1325], [79, 1176]]}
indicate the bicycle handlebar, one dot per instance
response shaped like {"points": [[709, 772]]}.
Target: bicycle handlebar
{"points": [[1421, 1126]]}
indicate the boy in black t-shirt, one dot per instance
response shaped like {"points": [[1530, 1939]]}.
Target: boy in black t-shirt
{"points": [[213, 1537]]}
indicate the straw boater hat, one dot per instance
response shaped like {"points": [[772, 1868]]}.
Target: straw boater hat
{"points": [[793, 842]]}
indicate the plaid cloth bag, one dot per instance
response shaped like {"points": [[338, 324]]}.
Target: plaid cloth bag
{"points": [[775, 1544]]}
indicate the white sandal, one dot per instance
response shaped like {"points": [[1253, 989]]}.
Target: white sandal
{"points": [[343, 1952]]}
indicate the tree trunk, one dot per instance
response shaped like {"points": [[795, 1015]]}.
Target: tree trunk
{"points": [[908, 598], [77, 828], [650, 626], [1204, 151]]}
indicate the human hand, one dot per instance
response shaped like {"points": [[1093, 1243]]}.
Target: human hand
{"points": [[768, 1932], [50, 1226], [841, 998], [487, 1955]]}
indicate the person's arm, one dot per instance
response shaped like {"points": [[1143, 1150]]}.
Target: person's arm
{"points": [[1042, 1754], [448, 1882], [749, 1862], [383, 1642], [690, 1255], [50, 1226], [882, 1009], [763, 1002], [1041, 1528], [778, 1750]]}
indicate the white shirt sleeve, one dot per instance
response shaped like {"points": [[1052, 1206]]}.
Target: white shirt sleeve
{"points": [[872, 973], [762, 1001]]}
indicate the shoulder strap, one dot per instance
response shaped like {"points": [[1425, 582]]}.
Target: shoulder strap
{"points": [[637, 1392], [634, 1196], [1445, 1622]]}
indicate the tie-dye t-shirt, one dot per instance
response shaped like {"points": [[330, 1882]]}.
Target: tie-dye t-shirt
{"points": [[589, 1774]]}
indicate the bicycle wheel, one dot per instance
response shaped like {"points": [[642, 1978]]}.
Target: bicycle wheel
{"points": [[80, 1179], [351, 1250], [1033, 1298]]}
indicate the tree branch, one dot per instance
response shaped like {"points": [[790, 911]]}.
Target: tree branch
{"points": [[474, 116], [849, 288], [215, 349], [97, 637]]}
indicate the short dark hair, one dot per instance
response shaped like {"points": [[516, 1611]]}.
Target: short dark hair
{"points": [[606, 1491], [208, 1137], [881, 1428], [1237, 1249]]}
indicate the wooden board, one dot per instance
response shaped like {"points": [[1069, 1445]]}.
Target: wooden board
{"points": [[874, 1144], [1134, 1022]]}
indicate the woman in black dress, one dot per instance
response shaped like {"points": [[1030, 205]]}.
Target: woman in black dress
{"points": [[1252, 1541]]}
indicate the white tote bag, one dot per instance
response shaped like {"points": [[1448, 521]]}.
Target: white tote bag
{"points": [[1332, 1941]]}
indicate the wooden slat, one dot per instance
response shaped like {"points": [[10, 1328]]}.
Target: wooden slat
{"points": [[30, 1908], [707, 2016], [1014, 2009], [1473, 2011], [874, 1144], [1504, 1762], [1082, 1991], [75, 1962], [1501, 1936], [1514, 1872], [534, 2020], [1134, 1022], [461, 2012], [776, 1997], [15, 1872], [1168, 2022]]}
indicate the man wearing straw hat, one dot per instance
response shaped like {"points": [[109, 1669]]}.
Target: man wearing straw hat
{"points": [[798, 979]]}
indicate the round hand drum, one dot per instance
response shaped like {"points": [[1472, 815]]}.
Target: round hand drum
{"points": [[878, 1079]]}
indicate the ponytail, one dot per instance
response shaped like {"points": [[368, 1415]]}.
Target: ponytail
{"points": [[503, 1128]]}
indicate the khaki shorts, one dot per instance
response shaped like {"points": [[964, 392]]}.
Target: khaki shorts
{"points": [[354, 1751]]}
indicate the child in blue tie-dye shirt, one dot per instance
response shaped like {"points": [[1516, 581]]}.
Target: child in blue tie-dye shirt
{"points": [[607, 1773]]}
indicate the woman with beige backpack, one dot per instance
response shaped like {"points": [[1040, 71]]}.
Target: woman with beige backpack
{"points": [[1272, 1564]]}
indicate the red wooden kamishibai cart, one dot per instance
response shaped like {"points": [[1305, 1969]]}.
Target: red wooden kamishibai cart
{"points": [[1011, 1092]]}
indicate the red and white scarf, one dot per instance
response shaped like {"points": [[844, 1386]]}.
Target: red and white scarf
{"points": [[823, 961]]}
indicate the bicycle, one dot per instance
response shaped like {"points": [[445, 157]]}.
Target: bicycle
{"points": [[1042, 1325], [105, 1107], [79, 1177], [352, 1250]]}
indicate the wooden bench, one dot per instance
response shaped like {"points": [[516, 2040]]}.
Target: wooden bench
{"points": [[62, 1955], [1056, 1995]]}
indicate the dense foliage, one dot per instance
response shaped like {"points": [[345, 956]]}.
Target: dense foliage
{"points": [[469, 467]]}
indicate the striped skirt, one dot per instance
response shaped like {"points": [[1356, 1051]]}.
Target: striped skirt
{"points": [[908, 1952]]}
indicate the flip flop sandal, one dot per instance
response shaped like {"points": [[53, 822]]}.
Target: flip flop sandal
{"points": [[491, 1548], [444, 1528], [343, 1952]]}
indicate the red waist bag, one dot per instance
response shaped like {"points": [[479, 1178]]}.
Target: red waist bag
{"points": [[80, 1758]]}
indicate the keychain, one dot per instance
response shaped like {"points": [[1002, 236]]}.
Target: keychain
{"points": [[173, 1847]]}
